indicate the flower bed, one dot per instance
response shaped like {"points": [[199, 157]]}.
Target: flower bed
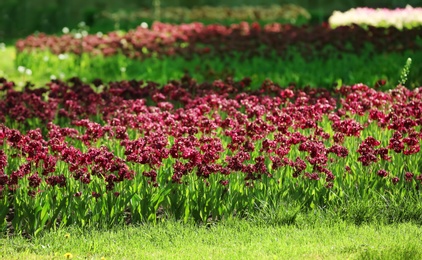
{"points": [[132, 151], [192, 39], [400, 18]]}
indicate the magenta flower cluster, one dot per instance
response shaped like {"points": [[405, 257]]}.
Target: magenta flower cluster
{"points": [[220, 131], [248, 39]]}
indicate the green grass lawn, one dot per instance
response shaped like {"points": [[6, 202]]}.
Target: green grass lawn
{"points": [[317, 72], [238, 239], [7, 61]]}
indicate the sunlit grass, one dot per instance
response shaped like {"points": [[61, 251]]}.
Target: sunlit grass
{"points": [[228, 240], [7, 61], [349, 69]]}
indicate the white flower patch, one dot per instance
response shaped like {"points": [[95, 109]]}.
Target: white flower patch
{"points": [[381, 17]]}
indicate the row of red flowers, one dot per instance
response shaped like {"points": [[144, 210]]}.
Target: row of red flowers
{"points": [[205, 129], [248, 39]]}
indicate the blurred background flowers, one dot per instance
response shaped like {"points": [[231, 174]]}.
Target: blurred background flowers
{"points": [[19, 18]]}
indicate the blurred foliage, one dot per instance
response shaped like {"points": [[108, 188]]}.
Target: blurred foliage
{"points": [[284, 13], [18, 18]]}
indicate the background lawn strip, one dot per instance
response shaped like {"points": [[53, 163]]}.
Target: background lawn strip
{"points": [[367, 68]]}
